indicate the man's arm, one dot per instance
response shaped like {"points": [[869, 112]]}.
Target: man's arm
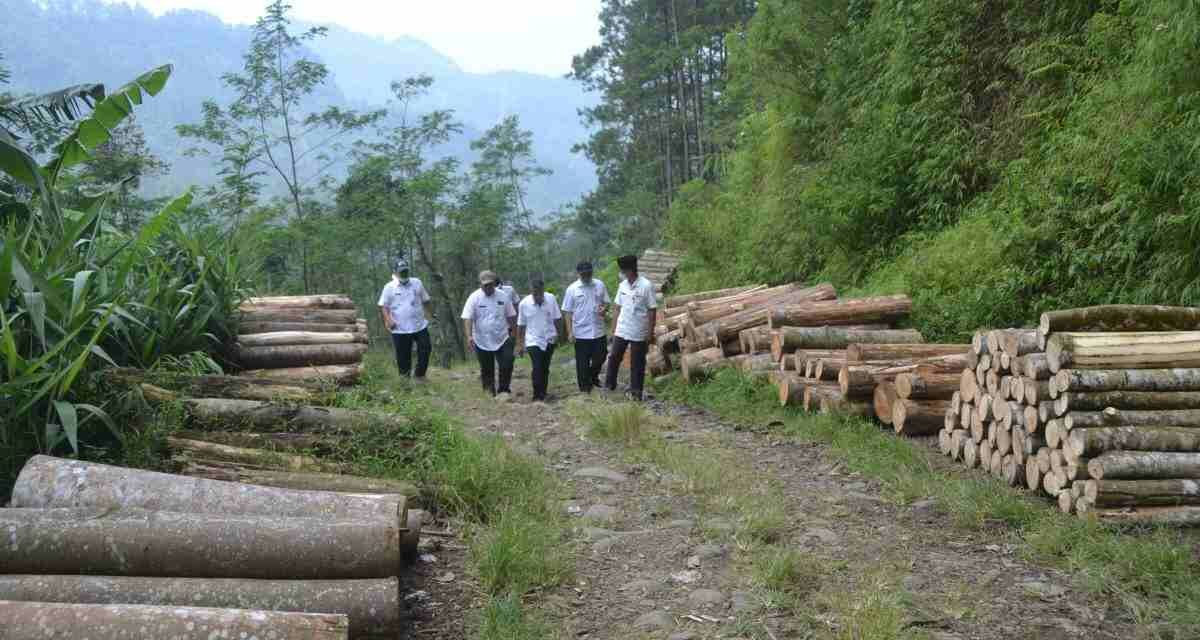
{"points": [[616, 317], [386, 316], [470, 333], [566, 319], [561, 332], [653, 322]]}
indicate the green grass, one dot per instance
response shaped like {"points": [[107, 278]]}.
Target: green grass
{"points": [[1151, 573]]}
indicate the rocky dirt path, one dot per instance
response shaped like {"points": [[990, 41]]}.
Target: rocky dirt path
{"points": [[680, 545]]}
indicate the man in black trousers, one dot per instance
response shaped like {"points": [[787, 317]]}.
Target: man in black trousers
{"points": [[637, 309], [405, 308], [584, 306], [538, 329]]}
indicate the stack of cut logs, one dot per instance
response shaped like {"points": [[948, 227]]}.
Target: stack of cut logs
{"points": [[259, 537], [659, 267], [302, 338], [1097, 408]]}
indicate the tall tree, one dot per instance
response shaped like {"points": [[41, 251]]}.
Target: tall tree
{"points": [[506, 160]]}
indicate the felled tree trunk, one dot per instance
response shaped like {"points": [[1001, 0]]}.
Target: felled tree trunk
{"points": [[1125, 380], [705, 314], [308, 327], [1185, 516], [1140, 400], [334, 301], [926, 385], [299, 356], [884, 399], [185, 545], [700, 364], [1034, 366], [307, 316], [1131, 493], [814, 392], [341, 375], [755, 340], [372, 606], [214, 470], [788, 339], [251, 414], [865, 352], [225, 386], [686, 299], [46, 483], [1117, 418], [658, 363], [918, 418], [1018, 342], [28, 620], [287, 442], [1123, 350], [837, 404], [1089, 443], [728, 327], [298, 339], [1121, 317], [1144, 465], [884, 309], [243, 455]]}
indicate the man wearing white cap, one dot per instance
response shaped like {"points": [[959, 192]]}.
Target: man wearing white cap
{"points": [[489, 319], [404, 306]]}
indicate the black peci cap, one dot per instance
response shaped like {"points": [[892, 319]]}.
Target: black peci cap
{"points": [[583, 267], [626, 263]]}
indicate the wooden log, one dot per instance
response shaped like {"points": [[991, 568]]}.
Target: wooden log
{"points": [[699, 365], [1138, 493], [757, 363], [729, 326], [970, 456], [1003, 438], [1043, 458], [1083, 380], [1045, 411], [225, 386], [1035, 391], [884, 398], [1018, 342], [295, 480], [196, 545], [1116, 417], [838, 404], [1050, 485], [341, 375], [944, 440], [1140, 400], [299, 356], [833, 337], [258, 457], [1186, 516], [1031, 420], [996, 463], [985, 451], [882, 309], [967, 387], [956, 445], [286, 442], [306, 316], [791, 391], [927, 385], [756, 340], [868, 352], [1055, 432], [1013, 472], [700, 313], [1123, 350], [1144, 465], [333, 301], [247, 328], [918, 418], [979, 343], [701, 296], [992, 381], [298, 339], [27, 620], [1033, 474], [46, 482], [1066, 502], [371, 606], [730, 348], [1035, 366], [964, 415], [715, 325], [1088, 443], [1006, 387], [1121, 317], [815, 391], [270, 416], [828, 369]]}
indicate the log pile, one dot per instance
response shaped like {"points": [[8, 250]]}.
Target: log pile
{"points": [[659, 267], [1097, 408], [301, 338]]}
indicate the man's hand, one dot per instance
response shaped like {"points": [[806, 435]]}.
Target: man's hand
{"points": [[521, 351], [471, 343]]}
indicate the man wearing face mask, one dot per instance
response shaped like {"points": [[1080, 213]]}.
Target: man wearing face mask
{"points": [[633, 328], [405, 307], [584, 305], [488, 318], [538, 320]]}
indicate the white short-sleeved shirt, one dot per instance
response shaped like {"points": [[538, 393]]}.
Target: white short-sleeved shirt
{"points": [[489, 317], [405, 302], [637, 302], [512, 294], [583, 302], [540, 330]]}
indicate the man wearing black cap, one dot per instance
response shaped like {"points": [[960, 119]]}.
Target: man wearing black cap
{"points": [[634, 327], [584, 305], [405, 308]]}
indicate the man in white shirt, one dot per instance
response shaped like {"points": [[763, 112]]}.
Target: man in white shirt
{"points": [[489, 318], [507, 287], [633, 328], [538, 320], [584, 305], [404, 306]]}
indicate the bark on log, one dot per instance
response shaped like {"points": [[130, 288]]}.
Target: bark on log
{"points": [[1144, 465], [883, 309], [1019, 342], [332, 301], [1035, 390], [918, 418], [341, 375], [331, 482], [187, 545], [1035, 366], [757, 363], [696, 366], [306, 316], [792, 338], [1140, 400], [1133, 493], [728, 327], [1115, 417], [837, 404], [927, 385], [234, 387], [1083, 380], [289, 442], [686, 299], [1089, 443], [883, 398], [29, 620], [1123, 350], [299, 356], [257, 457], [865, 352], [1176, 516], [246, 328], [756, 340], [828, 369], [698, 320], [979, 343], [372, 606], [815, 391], [1014, 472], [268, 416], [1121, 317], [298, 339]]}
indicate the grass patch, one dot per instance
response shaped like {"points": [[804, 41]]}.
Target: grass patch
{"points": [[1151, 573], [507, 619], [875, 609], [787, 576]]}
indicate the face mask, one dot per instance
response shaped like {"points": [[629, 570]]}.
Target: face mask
{"points": [[403, 279]]}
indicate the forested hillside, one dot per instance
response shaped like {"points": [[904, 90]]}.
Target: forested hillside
{"points": [[994, 158], [50, 45]]}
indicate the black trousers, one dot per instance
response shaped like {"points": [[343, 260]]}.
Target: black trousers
{"points": [[541, 369], [403, 342], [589, 360], [637, 365], [488, 360]]}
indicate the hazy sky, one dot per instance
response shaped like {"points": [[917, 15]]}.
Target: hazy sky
{"points": [[538, 36]]}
